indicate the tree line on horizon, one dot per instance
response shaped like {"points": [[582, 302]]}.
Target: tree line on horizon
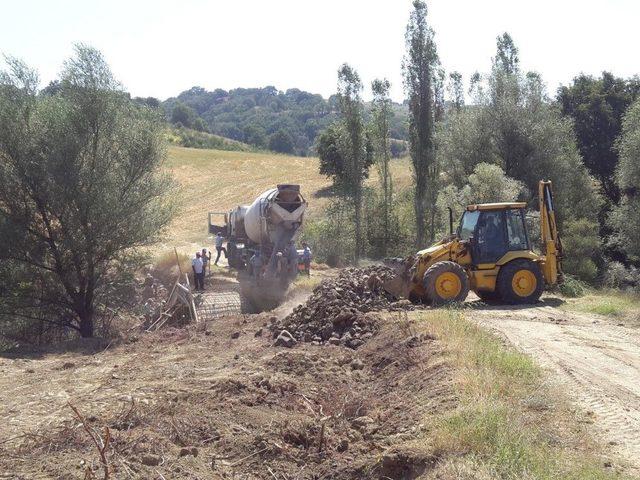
{"points": [[266, 118]]}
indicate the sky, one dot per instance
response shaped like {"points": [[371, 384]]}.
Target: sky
{"points": [[160, 48]]}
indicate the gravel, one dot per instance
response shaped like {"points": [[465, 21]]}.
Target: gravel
{"points": [[339, 311]]}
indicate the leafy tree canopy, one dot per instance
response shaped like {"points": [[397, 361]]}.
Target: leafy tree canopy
{"points": [[597, 106], [254, 115]]}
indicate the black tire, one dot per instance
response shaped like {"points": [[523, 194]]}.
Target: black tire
{"points": [[430, 283], [504, 284], [489, 297]]}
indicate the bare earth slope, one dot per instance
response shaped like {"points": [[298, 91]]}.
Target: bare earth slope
{"points": [[596, 361]]}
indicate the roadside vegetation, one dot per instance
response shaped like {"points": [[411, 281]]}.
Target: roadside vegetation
{"points": [[509, 423], [616, 304]]}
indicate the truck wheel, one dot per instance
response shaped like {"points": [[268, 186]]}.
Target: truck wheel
{"points": [[445, 282], [520, 281]]}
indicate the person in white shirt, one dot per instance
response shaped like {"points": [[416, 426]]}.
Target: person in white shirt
{"points": [[219, 241], [197, 266]]}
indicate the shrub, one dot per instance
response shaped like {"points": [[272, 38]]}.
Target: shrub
{"points": [[581, 245], [572, 287], [616, 275], [332, 237]]}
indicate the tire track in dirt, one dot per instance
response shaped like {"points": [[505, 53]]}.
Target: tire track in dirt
{"points": [[597, 363]]}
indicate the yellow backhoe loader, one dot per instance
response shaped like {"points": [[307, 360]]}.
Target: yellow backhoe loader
{"points": [[490, 253]]}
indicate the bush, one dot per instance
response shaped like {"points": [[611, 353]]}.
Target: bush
{"points": [[616, 275], [572, 287], [581, 245], [332, 237]]}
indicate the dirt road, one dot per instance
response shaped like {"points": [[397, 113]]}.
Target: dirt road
{"points": [[596, 361]]}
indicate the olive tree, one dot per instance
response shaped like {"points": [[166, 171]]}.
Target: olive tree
{"points": [[626, 216], [81, 188]]}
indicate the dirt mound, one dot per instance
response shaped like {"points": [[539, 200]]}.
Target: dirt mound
{"points": [[338, 311]]}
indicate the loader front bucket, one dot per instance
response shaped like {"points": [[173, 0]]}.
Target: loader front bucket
{"points": [[400, 285]]}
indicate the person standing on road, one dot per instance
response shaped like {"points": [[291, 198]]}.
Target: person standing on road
{"points": [[306, 258], [197, 265], [219, 247]]}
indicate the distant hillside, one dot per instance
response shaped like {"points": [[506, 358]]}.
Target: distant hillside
{"points": [[285, 122], [187, 137]]}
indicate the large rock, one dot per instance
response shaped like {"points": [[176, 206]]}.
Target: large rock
{"points": [[285, 339]]}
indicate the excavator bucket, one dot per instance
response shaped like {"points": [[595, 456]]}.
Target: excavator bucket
{"points": [[400, 284]]}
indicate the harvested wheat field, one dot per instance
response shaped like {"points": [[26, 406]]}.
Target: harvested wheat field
{"points": [[217, 180]]}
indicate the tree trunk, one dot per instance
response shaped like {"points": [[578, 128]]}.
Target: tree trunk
{"points": [[86, 323], [419, 207]]}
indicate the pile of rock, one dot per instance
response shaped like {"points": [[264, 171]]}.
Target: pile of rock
{"points": [[338, 310]]}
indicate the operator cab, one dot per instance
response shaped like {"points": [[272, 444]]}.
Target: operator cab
{"points": [[493, 230]]}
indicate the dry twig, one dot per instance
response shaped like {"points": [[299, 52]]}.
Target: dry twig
{"points": [[102, 449]]}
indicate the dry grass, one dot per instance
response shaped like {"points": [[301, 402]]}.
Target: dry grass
{"points": [[216, 180], [509, 423]]}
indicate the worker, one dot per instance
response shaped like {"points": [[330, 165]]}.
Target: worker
{"points": [[219, 241], [306, 258], [206, 260], [197, 265]]}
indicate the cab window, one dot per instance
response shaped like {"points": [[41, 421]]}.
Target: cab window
{"points": [[491, 239], [516, 231], [468, 224]]}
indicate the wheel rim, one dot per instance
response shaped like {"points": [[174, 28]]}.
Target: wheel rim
{"points": [[524, 283], [448, 285]]}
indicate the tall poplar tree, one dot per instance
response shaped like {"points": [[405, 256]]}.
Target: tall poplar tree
{"points": [[381, 114], [352, 145], [421, 73]]}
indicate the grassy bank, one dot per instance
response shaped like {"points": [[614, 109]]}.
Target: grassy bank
{"points": [[610, 303], [509, 423]]}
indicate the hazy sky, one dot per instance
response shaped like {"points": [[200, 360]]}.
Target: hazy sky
{"points": [[159, 48]]}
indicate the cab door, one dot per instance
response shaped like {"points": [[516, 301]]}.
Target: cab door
{"points": [[490, 237]]}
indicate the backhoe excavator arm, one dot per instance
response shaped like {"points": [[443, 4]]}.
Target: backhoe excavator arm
{"points": [[551, 266]]}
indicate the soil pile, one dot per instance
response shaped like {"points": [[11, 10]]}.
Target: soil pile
{"points": [[338, 310]]}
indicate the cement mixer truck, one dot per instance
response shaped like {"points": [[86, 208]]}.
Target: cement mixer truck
{"points": [[268, 227]]}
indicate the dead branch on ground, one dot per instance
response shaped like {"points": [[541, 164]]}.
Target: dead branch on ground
{"points": [[97, 441]]}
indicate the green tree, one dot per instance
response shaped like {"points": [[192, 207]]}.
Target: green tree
{"points": [[456, 90], [183, 115], [597, 106], [80, 185], [200, 125], [488, 183], [381, 113], [420, 68], [581, 244], [626, 216], [507, 59], [353, 146], [514, 126], [328, 148], [281, 142]]}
